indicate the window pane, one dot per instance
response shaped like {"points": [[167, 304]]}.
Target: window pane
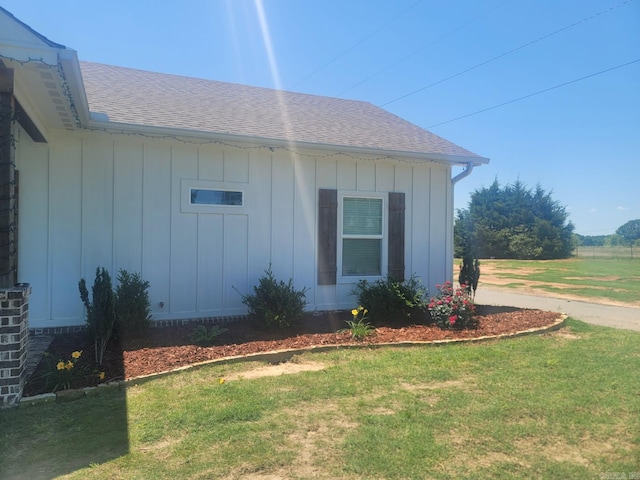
{"points": [[215, 197], [362, 216], [361, 256]]}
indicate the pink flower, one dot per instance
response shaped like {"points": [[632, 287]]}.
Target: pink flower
{"points": [[452, 319]]}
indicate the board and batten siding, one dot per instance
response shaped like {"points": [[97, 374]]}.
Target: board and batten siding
{"points": [[93, 199]]}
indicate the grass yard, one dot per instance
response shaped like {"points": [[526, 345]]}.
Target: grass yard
{"points": [[558, 405], [615, 280]]}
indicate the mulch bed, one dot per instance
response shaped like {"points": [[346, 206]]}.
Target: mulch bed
{"points": [[167, 348]]}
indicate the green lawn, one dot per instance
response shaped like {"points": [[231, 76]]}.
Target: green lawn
{"points": [[613, 279], [560, 405]]}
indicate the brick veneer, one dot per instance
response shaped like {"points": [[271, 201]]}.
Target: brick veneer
{"points": [[14, 342]]}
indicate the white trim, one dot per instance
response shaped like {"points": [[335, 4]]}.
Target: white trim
{"points": [[384, 261]]}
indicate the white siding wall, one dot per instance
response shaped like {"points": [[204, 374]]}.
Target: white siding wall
{"points": [[90, 200]]}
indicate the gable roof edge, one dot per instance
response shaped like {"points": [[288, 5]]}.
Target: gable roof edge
{"points": [[39, 36], [115, 128]]}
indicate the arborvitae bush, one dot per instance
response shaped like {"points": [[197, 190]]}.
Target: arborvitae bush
{"points": [[275, 303], [101, 314], [133, 309], [390, 301], [469, 274]]}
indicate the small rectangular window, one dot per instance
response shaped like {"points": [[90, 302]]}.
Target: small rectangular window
{"points": [[205, 196], [212, 197]]}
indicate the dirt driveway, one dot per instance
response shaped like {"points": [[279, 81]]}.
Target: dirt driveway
{"points": [[490, 279], [597, 311]]}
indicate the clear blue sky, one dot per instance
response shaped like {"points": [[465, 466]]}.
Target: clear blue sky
{"points": [[580, 141]]}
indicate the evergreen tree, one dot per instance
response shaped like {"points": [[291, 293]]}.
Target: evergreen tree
{"points": [[514, 222], [630, 231]]}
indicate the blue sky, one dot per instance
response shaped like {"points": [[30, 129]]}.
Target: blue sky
{"points": [[580, 141]]}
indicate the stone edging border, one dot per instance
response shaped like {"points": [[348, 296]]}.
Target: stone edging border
{"points": [[274, 357]]}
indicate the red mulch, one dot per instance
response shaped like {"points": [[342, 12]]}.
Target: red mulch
{"points": [[167, 348]]}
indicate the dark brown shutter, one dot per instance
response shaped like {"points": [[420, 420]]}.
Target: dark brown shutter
{"points": [[396, 236], [327, 236]]}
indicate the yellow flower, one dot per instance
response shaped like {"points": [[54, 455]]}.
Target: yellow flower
{"points": [[69, 365], [366, 311], [221, 381], [354, 312], [101, 376], [60, 366], [76, 354]]}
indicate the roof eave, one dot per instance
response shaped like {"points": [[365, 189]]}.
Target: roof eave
{"points": [[175, 133], [68, 60]]}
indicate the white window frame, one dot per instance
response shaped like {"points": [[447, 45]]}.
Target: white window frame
{"points": [[384, 236], [187, 185]]}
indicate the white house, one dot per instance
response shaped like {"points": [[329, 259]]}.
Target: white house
{"points": [[201, 185]]}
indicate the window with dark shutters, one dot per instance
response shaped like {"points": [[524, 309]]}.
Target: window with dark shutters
{"points": [[328, 236]]}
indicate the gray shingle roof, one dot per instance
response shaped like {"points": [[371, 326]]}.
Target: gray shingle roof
{"points": [[151, 99]]}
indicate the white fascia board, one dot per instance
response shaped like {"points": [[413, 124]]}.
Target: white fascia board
{"points": [[129, 129], [68, 59]]}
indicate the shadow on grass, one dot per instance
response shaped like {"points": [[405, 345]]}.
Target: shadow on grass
{"points": [[79, 429]]}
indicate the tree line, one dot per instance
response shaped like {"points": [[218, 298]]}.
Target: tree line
{"points": [[628, 235]]}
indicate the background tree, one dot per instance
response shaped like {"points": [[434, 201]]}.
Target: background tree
{"points": [[514, 222], [630, 232], [614, 240]]}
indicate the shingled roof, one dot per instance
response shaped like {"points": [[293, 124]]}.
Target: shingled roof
{"points": [[141, 98]]}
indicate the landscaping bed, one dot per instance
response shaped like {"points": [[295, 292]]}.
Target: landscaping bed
{"points": [[167, 348]]}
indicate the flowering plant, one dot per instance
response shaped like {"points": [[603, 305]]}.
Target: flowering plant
{"points": [[61, 373], [358, 328], [453, 308]]}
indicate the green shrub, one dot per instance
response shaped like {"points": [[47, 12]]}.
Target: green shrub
{"points": [[453, 308], [275, 303], [206, 337], [101, 313], [390, 300], [133, 309]]}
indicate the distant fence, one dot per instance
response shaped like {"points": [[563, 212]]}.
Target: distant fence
{"points": [[607, 252]]}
